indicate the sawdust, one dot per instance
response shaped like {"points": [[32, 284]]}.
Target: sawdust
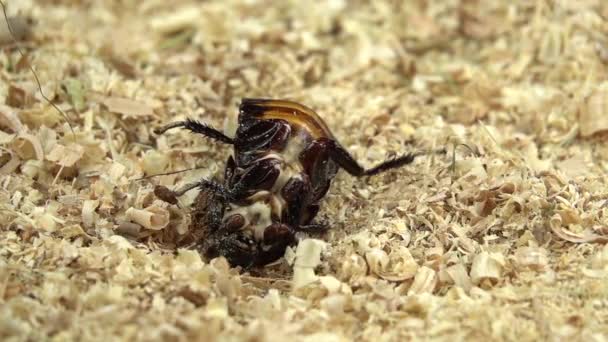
{"points": [[503, 240]]}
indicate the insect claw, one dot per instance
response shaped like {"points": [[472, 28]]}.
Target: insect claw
{"points": [[163, 129], [165, 194]]}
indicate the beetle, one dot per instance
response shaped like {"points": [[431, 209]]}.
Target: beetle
{"points": [[284, 160]]}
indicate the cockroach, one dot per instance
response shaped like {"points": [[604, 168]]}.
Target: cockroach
{"points": [[284, 160]]}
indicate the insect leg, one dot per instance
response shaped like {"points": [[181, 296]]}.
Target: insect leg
{"points": [[260, 176], [170, 196], [197, 127], [343, 158]]}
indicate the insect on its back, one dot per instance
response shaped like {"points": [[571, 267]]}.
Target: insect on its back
{"points": [[284, 159]]}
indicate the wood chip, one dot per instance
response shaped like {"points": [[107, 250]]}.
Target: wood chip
{"points": [[66, 156], [504, 240], [592, 115], [28, 146], [20, 27], [127, 107], [425, 281], [308, 256], [10, 119], [152, 217], [487, 266]]}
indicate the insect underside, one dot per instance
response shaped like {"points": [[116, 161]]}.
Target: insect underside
{"points": [[284, 160]]}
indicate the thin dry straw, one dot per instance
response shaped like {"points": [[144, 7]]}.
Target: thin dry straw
{"points": [[10, 29]]}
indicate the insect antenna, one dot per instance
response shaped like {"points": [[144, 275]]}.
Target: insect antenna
{"points": [[452, 167], [166, 194], [162, 191], [168, 173], [10, 30]]}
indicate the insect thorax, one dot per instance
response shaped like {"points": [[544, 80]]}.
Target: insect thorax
{"points": [[268, 206]]}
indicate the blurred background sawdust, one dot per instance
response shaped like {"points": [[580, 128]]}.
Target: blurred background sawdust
{"points": [[502, 240]]}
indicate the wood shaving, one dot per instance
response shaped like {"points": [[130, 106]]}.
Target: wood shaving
{"points": [[458, 275], [20, 27], [127, 107], [66, 155], [88, 213], [592, 117], [10, 119], [425, 281], [10, 165], [27, 146], [487, 267], [502, 238], [181, 18], [585, 236], [308, 256], [532, 257], [152, 217]]}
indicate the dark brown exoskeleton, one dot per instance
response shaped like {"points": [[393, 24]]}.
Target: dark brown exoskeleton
{"points": [[284, 159]]}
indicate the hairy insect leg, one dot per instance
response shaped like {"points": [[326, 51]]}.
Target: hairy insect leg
{"points": [[346, 161], [170, 196], [197, 127]]}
